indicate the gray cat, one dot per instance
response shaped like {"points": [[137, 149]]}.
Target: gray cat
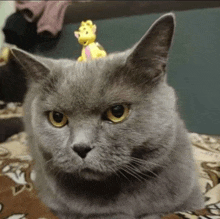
{"points": [[106, 134]]}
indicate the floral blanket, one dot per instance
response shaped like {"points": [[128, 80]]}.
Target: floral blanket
{"points": [[18, 198]]}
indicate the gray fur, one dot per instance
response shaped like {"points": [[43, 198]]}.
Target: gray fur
{"points": [[115, 186]]}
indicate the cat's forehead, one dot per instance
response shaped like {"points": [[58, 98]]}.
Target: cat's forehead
{"points": [[84, 76], [91, 70], [88, 84]]}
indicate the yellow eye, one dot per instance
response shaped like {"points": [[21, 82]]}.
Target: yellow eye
{"points": [[57, 119], [117, 113]]}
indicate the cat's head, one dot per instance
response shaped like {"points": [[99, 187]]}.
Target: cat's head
{"points": [[114, 115]]}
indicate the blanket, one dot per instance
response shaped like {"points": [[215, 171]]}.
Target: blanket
{"points": [[19, 200]]}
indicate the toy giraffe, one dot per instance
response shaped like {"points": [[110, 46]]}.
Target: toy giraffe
{"points": [[86, 36]]}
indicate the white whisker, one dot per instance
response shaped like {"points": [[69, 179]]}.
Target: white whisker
{"points": [[128, 170], [144, 174]]}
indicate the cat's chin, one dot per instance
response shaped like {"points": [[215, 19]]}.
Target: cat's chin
{"points": [[90, 175]]}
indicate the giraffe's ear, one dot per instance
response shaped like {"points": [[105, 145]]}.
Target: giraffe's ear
{"points": [[89, 22], [94, 28], [76, 33]]}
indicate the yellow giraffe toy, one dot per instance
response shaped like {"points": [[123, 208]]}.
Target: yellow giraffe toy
{"points": [[86, 36]]}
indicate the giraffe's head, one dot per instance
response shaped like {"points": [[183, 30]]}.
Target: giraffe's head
{"points": [[86, 33]]}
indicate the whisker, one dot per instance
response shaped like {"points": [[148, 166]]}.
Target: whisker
{"points": [[114, 171], [144, 174], [141, 161], [132, 173], [138, 172], [48, 161], [124, 175]]}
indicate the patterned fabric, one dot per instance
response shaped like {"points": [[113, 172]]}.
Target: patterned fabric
{"points": [[18, 198], [206, 151]]}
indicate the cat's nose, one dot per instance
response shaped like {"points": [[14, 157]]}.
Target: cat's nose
{"points": [[82, 149]]}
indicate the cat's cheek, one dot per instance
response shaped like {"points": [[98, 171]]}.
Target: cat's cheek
{"points": [[51, 137], [123, 135]]}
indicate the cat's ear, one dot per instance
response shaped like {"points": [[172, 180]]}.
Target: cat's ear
{"points": [[151, 52], [34, 69]]}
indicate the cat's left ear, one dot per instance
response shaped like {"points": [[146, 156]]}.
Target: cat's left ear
{"points": [[151, 52], [34, 69]]}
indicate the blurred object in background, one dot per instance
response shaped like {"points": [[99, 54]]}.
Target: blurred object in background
{"points": [[20, 32], [48, 15], [97, 10], [6, 8], [10, 120], [4, 55], [12, 82], [35, 22], [9, 127]]}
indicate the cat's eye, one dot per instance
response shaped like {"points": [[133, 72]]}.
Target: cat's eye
{"points": [[117, 113], [57, 119]]}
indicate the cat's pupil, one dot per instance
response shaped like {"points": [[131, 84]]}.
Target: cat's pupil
{"points": [[117, 111], [58, 117]]}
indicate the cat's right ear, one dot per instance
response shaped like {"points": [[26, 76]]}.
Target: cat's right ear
{"points": [[34, 69]]}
